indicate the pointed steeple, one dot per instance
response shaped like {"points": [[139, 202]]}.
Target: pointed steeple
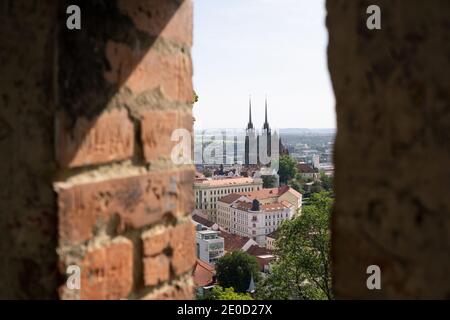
{"points": [[251, 287], [250, 124], [266, 123]]}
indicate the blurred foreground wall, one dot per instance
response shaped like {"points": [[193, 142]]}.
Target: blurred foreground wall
{"points": [[85, 135], [392, 152]]}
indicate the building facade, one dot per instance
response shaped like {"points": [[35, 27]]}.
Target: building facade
{"points": [[259, 213], [308, 172], [210, 246], [270, 240], [209, 191]]}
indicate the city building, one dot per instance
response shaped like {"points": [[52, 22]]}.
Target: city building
{"points": [[316, 161], [208, 191], [258, 213], [270, 240], [236, 212], [210, 246], [308, 172]]}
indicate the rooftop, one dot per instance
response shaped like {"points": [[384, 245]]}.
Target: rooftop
{"points": [[246, 206], [270, 193], [233, 242], [306, 168], [208, 232], [262, 194], [230, 198], [202, 220], [262, 252], [203, 274]]}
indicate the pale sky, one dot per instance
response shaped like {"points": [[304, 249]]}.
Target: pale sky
{"points": [[259, 47]]}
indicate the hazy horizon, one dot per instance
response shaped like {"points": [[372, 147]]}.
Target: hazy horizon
{"points": [[259, 47]]}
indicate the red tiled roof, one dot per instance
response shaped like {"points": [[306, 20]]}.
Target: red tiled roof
{"points": [[255, 250], [242, 205], [294, 192], [273, 206], [305, 168], [286, 204], [230, 198], [203, 221], [263, 255], [245, 206], [233, 242], [262, 194], [203, 274], [269, 193]]}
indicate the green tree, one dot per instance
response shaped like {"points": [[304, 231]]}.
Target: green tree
{"points": [[296, 184], [235, 270], [316, 187], [207, 173], [269, 181], [194, 98], [219, 293], [302, 270], [326, 182], [287, 169]]}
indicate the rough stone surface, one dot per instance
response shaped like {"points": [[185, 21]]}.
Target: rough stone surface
{"points": [[177, 29], [183, 256], [155, 242], [156, 269], [157, 129], [107, 272], [168, 69], [73, 105], [181, 290], [392, 150], [108, 137], [116, 204]]}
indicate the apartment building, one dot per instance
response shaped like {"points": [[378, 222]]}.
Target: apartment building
{"points": [[209, 191], [210, 246], [258, 213]]}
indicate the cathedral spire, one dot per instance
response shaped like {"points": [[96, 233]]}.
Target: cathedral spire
{"points": [[250, 124], [266, 123]]}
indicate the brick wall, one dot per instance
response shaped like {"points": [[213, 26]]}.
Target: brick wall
{"points": [[122, 204], [86, 119]]}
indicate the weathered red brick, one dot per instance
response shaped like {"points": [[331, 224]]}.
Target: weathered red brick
{"points": [[162, 18], [155, 243], [156, 269], [107, 272], [178, 291], [167, 70], [182, 242], [136, 201], [108, 137], [157, 128]]}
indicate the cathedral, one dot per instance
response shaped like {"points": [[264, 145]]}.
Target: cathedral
{"points": [[255, 141]]}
